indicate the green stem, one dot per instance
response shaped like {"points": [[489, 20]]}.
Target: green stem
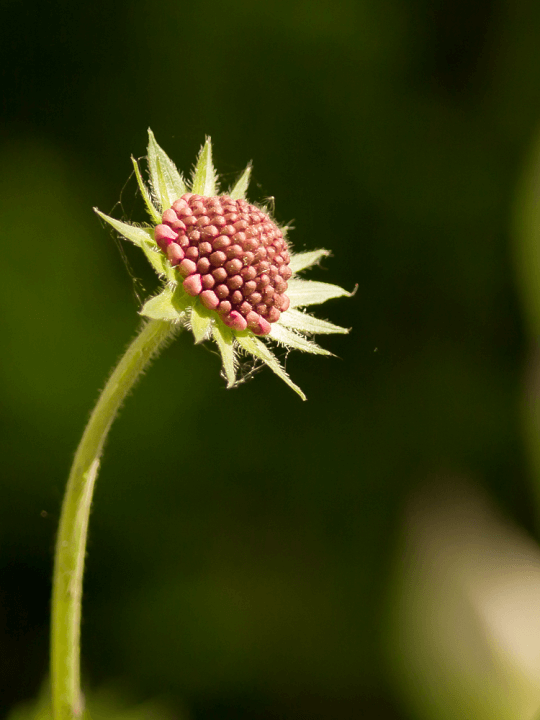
{"points": [[71, 543]]}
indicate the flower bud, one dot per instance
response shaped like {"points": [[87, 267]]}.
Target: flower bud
{"points": [[232, 255]]}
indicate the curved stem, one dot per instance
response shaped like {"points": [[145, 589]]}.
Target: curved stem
{"points": [[71, 541]]}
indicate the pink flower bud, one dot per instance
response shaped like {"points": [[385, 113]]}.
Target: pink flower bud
{"points": [[232, 255]]}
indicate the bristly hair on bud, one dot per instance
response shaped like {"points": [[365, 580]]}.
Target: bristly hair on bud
{"points": [[228, 271]]}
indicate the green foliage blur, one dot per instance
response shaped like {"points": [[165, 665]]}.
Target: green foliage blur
{"points": [[241, 542]]}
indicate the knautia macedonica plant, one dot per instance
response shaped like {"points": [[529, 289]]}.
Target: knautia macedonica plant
{"points": [[229, 276], [228, 270]]}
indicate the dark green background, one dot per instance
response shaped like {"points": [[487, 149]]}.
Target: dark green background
{"points": [[240, 541]]}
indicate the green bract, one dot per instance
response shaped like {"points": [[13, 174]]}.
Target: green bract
{"points": [[173, 304]]}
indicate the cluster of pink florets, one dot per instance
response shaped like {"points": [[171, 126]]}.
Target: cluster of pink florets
{"points": [[231, 255]]}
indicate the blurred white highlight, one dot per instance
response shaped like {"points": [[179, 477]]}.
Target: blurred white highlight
{"points": [[465, 617]]}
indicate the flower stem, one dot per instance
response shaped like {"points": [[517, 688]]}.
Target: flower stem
{"points": [[71, 543]]}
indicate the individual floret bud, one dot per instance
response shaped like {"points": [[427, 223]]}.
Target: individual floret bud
{"points": [[164, 235]]}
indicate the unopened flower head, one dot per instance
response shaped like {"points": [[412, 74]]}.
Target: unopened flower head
{"points": [[232, 255], [228, 270]]}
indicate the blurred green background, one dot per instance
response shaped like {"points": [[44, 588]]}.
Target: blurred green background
{"points": [[393, 132]]}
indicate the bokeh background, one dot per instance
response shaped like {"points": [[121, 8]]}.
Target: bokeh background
{"points": [[250, 555]]}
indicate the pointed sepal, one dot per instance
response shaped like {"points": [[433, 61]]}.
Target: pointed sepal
{"points": [[307, 292], [138, 236], [159, 262], [259, 350], [167, 183], [201, 322], [290, 339], [239, 190], [225, 342], [305, 323], [170, 304], [302, 261], [152, 211], [143, 238], [204, 176]]}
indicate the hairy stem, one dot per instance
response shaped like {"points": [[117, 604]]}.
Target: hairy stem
{"points": [[71, 542]]}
